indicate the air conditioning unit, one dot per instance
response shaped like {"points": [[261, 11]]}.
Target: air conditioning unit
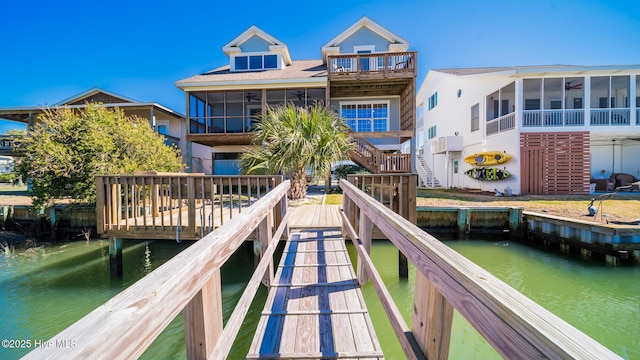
{"points": [[446, 143]]}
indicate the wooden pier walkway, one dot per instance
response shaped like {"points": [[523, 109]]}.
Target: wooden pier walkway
{"points": [[315, 308], [315, 217]]}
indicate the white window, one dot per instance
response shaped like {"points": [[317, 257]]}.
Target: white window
{"points": [[366, 117], [475, 117], [162, 127]]}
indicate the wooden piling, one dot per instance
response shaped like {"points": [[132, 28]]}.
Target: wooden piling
{"points": [[203, 319], [115, 257], [432, 319], [515, 222], [53, 221], [464, 217], [403, 266]]}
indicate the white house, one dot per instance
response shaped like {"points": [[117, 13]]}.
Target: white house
{"points": [[6, 164], [563, 125]]}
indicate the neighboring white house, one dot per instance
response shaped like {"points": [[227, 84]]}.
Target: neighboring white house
{"points": [[563, 125], [6, 164]]}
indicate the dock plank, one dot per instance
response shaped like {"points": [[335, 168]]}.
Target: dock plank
{"points": [[315, 307], [315, 217]]}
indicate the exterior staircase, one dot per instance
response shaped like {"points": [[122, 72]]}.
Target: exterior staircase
{"points": [[375, 160], [425, 175]]}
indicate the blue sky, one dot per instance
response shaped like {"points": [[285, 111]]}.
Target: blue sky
{"points": [[52, 50]]}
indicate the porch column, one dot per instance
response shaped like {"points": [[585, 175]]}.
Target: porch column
{"points": [[152, 119], [587, 102], [414, 153], [189, 156], [632, 101]]}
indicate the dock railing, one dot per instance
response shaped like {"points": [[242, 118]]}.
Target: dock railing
{"points": [[190, 282], [184, 206], [516, 326]]}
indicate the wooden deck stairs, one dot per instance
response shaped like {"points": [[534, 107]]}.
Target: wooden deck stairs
{"points": [[377, 161]]}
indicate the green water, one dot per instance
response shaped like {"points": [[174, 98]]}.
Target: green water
{"points": [[601, 301], [46, 290]]}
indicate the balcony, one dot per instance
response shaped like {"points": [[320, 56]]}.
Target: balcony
{"points": [[552, 118], [399, 65], [9, 144], [563, 118], [501, 124], [611, 117]]}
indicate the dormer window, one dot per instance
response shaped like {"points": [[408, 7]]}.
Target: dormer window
{"points": [[255, 62]]}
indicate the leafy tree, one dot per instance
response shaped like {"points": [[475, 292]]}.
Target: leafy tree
{"points": [[67, 148], [16, 132], [293, 140]]}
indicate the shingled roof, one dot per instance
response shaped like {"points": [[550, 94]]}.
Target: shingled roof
{"points": [[298, 70], [528, 69]]}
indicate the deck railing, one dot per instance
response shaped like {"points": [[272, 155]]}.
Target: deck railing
{"points": [[514, 325], [576, 117], [174, 205], [503, 123], [9, 144], [387, 64], [188, 283]]}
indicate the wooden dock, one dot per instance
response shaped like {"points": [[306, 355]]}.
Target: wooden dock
{"points": [[315, 308], [315, 217]]}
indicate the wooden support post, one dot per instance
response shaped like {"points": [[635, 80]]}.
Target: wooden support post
{"points": [[53, 221], [515, 221], [432, 319], [191, 211], [155, 199], [409, 212], [114, 201], [203, 319], [364, 233], [352, 214], [345, 210], [100, 205], [463, 223], [280, 212], [403, 266], [115, 257], [264, 238]]}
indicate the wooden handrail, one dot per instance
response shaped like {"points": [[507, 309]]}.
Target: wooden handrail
{"points": [[513, 324], [380, 162], [128, 323], [379, 62]]}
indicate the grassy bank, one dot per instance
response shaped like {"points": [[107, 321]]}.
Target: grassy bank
{"points": [[623, 206]]}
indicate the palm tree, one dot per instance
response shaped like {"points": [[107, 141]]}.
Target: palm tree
{"points": [[292, 140]]}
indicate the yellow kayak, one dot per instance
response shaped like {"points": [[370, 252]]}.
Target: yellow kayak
{"points": [[487, 158]]}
